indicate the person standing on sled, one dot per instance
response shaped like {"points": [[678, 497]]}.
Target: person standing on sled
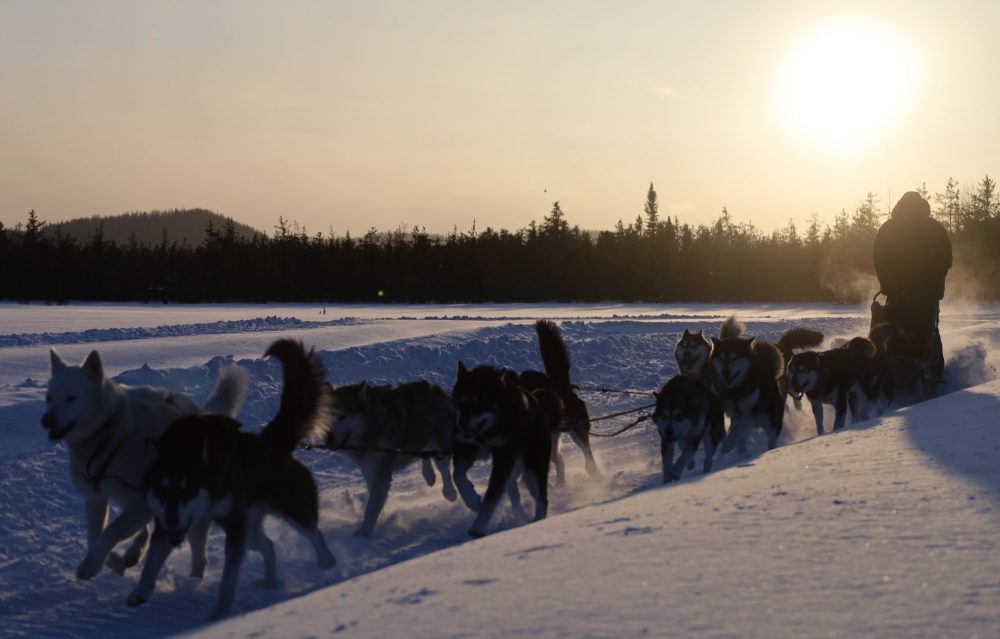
{"points": [[912, 256]]}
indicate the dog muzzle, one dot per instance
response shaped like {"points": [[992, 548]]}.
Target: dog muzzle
{"points": [[55, 433]]}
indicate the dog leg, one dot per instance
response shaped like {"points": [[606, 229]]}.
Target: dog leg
{"points": [[708, 443], [324, 557], [737, 436], [428, 471], [558, 460], [257, 540], [666, 459], [462, 462], [447, 485], [198, 538], [687, 456], [503, 466], [95, 510], [840, 409], [310, 530], [159, 550], [236, 549], [582, 439], [538, 488], [132, 556], [517, 509], [817, 408], [379, 478], [127, 524]]}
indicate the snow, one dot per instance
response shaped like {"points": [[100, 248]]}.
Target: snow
{"points": [[884, 529]]}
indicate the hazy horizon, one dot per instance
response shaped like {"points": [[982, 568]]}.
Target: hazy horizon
{"points": [[344, 116]]}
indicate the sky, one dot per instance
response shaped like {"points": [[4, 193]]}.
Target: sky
{"points": [[344, 116]]}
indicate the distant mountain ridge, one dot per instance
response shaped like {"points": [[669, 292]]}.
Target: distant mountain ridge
{"points": [[184, 226]]}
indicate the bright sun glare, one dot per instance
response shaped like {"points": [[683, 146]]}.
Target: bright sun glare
{"points": [[845, 84]]}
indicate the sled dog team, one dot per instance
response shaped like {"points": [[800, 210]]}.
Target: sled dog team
{"points": [[159, 456]]}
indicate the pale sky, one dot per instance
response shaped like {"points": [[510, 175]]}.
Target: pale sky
{"points": [[347, 115]]}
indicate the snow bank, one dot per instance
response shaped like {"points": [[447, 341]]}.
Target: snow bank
{"points": [[887, 529]]}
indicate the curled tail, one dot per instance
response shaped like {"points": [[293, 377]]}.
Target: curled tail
{"points": [[863, 347], [555, 357], [731, 328], [798, 338], [770, 356], [227, 396], [305, 398]]}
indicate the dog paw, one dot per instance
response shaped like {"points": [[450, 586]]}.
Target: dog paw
{"points": [[326, 561], [269, 584], [218, 615], [117, 563], [88, 568], [197, 571], [450, 495], [135, 599]]}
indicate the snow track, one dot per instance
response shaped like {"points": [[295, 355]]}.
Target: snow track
{"points": [[41, 529]]}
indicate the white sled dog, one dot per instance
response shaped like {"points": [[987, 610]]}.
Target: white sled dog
{"points": [[107, 427]]}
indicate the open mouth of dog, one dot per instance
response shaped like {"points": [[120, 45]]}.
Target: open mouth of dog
{"points": [[55, 434]]}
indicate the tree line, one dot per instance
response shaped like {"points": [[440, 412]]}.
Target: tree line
{"points": [[654, 258]]}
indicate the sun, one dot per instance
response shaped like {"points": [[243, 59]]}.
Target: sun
{"points": [[845, 84]]}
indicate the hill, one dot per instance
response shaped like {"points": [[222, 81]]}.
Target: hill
{"points": [[181, 226]]}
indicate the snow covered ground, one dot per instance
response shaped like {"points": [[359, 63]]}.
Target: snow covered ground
{"points": [[887, 529]]}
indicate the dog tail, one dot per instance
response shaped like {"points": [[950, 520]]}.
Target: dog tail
{"points": [[555, 357], [230, 389], [771, 356], [798, 338], [305, 398], [863, 347], [731, 328]]}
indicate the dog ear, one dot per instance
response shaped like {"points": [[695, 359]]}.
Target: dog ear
{"points": [[363, 395], [57, 362], [699, 333], [92, 365], [715, 342], [656, 394], [462, 371], [686, 333]]}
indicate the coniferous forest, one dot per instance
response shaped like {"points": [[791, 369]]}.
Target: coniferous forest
{"points": [[654, 258]]}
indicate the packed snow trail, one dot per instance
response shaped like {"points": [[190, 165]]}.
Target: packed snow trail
{"points": [[41, 529], [887, 529]]}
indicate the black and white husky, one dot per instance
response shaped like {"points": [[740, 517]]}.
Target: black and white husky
{"points": [[574, 419], [206, 469], [370, 422], [841, 377], [106, 427], [496, 413], [689, 414], [745, 375], [692, 354]]}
